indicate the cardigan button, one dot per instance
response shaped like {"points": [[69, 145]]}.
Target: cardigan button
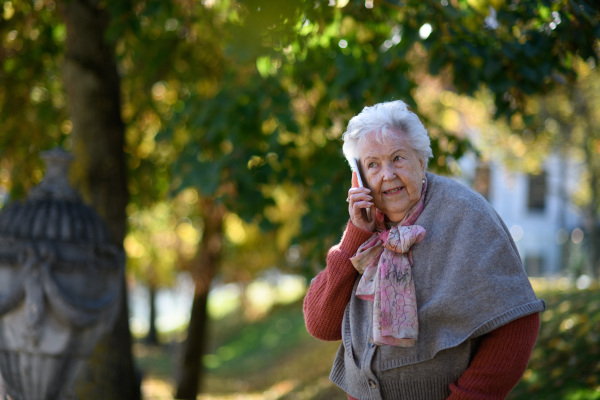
{"points": [[371, 343], [372, 384]]}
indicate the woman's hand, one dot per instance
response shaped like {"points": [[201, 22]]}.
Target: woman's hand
{"points": [[359, 199]]}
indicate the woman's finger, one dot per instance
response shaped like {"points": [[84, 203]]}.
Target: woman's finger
{"points": [[359, 199], [354, 179], [358, 202], [359, 194]]}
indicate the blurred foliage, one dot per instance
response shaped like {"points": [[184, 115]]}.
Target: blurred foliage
{"points": [[153, 246], [306, 73], [565, 122], [245, 101], [32, 98], [565, 363]]}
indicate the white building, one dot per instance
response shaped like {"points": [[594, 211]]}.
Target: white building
{"points": [[536, 208]]}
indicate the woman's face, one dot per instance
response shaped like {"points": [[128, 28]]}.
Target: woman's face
{"points": [[394, 173]]}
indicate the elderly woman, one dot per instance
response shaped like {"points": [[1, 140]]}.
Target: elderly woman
{"points": [[428, 293]]}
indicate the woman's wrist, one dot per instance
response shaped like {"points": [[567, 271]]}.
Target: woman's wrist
{"points": [[353, 237]]}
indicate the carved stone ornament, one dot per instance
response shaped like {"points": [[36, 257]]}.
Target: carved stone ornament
{"points": [[60, 287]]}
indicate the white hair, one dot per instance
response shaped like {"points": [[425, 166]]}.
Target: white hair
{"points": [[386, 120]]}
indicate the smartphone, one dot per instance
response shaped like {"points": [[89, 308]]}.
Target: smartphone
{"points": [[355, 166]]}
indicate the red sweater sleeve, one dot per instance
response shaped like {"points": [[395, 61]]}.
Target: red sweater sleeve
{"points": [[499, 363], [330, 290]]}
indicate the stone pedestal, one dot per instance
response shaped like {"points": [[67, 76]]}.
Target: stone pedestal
{"points": [[60, 287]]}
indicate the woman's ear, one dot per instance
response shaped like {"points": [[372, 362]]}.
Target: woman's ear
{"points": [[422, 162]]}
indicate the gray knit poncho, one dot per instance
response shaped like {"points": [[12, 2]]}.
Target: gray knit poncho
{"points": [[469, 281]]}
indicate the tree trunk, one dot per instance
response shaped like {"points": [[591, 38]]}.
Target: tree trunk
{"points": [[590, 212], [152, 336], [93, 90], [191, 362], [591, 215], [204, 270]]}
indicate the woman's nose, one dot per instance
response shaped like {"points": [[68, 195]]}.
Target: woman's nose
{"points": [[388, 172]]}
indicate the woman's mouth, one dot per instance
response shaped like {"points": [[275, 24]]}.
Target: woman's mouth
{"points": [[393, 191]]}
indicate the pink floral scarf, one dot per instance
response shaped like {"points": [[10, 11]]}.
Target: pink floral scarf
{"points": [[385, 262]]}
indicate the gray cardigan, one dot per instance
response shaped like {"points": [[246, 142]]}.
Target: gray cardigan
{"points": [[469, 281]]}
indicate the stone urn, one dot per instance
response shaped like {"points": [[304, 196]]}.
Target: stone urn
{"points": [[60, 287]]}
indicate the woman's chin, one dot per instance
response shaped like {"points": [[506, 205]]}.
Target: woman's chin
{"points": [[396, 212], [395, 216]]}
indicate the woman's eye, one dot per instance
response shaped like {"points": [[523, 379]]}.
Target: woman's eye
{"points": [[397, 158], [371, 165]]}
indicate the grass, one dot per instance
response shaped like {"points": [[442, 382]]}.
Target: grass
{"points": [[271, 355], [274, 358]]}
